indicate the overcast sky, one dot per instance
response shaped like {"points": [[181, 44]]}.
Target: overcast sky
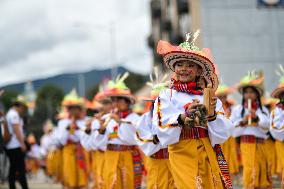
{"points": [[42, 38]]}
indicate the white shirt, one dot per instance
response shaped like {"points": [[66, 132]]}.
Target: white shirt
{"points": [[172, 105], [259, 131], [64, 135], [277, 124], [145, 135], [124, 132], [13, 118]]}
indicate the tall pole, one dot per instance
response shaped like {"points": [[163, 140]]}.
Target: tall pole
{"points": [[81, 84]]}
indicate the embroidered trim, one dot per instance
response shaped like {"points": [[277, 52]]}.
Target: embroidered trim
{"points": [[159, 113], [143, 140], [198, 182], [193, 133], [161, 154], [223, 165], [272, 123]]}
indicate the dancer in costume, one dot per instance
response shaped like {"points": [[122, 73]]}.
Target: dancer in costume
{"points": [[182, 121], [270, 142], [157, 161], [251, 121], [277, 121], [123, 166], [230, 146], [69, 132]]}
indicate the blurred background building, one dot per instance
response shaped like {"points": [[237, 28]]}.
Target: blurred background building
{"points": [[243, 35]]}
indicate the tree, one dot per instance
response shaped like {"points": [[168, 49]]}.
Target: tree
{"points": [[7, 98], [135, 81], [48, 104], [92, 91]]}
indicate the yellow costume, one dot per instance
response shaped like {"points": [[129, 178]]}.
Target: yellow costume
{"points": [[192, 158], [252, 134], [159, 174], [73, 174]]}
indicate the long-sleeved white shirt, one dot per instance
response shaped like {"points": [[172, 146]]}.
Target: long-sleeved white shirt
{"points": [[259, 131], [121, 133], [145, 135], [277, 124], [172, 105]]}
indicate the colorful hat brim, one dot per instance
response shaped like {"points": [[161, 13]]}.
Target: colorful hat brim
{"points": [[276, 92], [259, 89], [225, 92], [128, 96], [207, 66]]}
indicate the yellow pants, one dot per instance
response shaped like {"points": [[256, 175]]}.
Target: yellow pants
{"points": [[59, 165], [230, 152], [51, 163], [159, 174], [280, 154], [194, 165], [73, 175], [270, 155], [88, 161], [254, 165], [118, 170], [32, 165], [98, 159]]}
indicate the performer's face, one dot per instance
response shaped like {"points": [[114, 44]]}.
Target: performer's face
{"points": [[250, 93], [75, 111], [107, 107], [121, 103], [186, 71]]}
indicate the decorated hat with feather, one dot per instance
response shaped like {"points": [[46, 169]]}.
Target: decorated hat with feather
{"points": [[280, 88], [72, 99], [188, 51], [158, 81], [101, 95], [117, 88], [223, 89], [252, 79]]}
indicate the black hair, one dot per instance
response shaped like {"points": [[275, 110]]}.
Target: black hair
{"points": [[127, 100], [258, 101]]}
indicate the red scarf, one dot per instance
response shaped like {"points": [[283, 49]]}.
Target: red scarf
{"points": [[124, 114], [189, 87], [254, 105]]}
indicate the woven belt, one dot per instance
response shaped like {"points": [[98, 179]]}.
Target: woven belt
{"points": [[193, 133], [118, 147], [251, 139], [71, 142], [161, 154]]}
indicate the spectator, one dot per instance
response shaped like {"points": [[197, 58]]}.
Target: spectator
{"points": [[16, 147]]}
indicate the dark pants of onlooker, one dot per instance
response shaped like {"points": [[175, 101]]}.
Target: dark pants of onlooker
{"points": [[17, 168]]}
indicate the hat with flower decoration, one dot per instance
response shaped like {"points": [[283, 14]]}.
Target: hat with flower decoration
{"points": [[72, 99], [94, 104], [117, 88], [188, 51], [280, 88], [223, 90], [252, 79], [158, 82]]}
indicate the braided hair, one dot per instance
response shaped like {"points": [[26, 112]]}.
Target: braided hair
{"points": [[258, 101]]}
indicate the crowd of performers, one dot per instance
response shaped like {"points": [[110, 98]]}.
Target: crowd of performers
{"points": [[179, 141]]}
